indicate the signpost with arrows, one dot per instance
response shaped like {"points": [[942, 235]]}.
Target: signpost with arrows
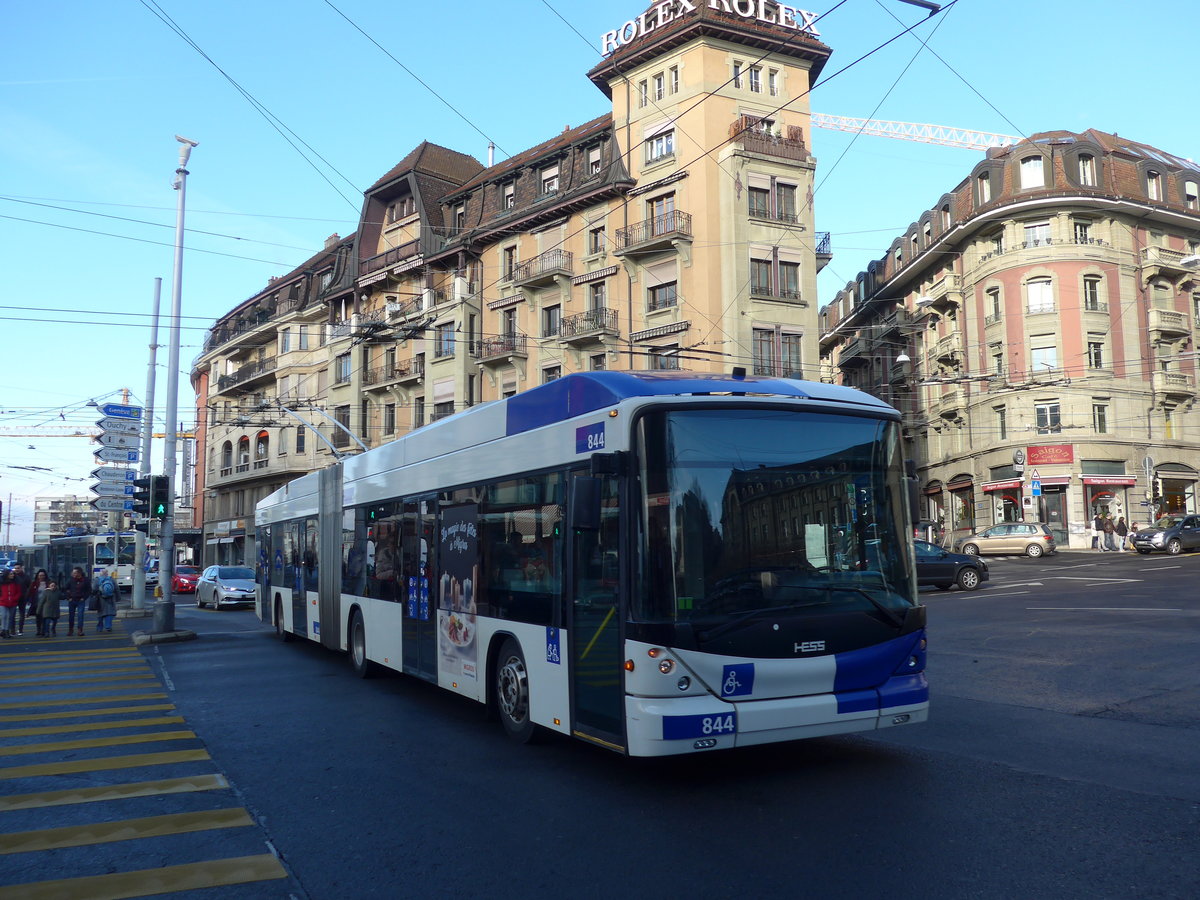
{"points": [[120, 437]]}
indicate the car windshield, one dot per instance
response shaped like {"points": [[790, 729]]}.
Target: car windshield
{"points": [[234, 573], [766, 509], [1168, 522], [186, 570]]}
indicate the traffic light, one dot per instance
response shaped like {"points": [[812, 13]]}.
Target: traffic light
{"points": [[142, 488], [160, 500]]}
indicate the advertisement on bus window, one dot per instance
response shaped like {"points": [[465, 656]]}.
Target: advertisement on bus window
{"points": [[458, 553]]}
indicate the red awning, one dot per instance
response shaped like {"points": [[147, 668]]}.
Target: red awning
{"points": [[1055, 479], [1109, 479]]}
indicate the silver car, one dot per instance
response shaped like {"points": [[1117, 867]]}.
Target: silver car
{"points": [[1173, 534], [225, 585], [1030, 538]]}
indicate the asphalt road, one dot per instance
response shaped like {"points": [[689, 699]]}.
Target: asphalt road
{"points": [[1060, 761]]}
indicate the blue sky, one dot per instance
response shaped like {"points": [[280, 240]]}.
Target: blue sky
{"points": [[92, 94]]}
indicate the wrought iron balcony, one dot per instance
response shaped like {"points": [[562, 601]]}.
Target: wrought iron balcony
{"points": [[588, 325], [544, 268], [654, 234], [244, 375], [391, 257], [503, 347]]}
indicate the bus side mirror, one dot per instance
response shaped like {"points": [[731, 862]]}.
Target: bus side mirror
{"points": [[584, 508]]}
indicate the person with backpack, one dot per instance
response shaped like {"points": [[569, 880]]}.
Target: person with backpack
{"points": [[106, 607], [77, 591]]}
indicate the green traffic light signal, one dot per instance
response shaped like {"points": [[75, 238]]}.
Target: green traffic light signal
{"points": [[160, 501]]}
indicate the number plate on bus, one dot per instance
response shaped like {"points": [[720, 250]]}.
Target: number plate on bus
{"points": [[686, 727]]}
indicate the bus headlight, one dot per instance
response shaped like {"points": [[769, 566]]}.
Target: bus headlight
{"points": [[665, 666]]}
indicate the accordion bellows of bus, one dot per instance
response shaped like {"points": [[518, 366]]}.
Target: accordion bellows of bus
{"points": [[654, 562]]}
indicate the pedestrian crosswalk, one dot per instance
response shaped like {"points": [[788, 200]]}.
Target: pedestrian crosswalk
{"points": [[105, 792]]}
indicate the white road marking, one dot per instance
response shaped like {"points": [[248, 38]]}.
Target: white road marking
{"points": [[1109, 608], [1161, 569]]}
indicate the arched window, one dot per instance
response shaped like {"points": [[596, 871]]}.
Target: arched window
{"points": [[984, 187], [262, 447], [1087, 169], [1191, 195], [1032, 174], [243, 454], [227, 455]]}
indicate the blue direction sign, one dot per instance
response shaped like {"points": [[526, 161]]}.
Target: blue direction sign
{"points": [[120, 411], [115, 454]]}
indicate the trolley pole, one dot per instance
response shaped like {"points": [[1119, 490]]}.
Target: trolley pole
{"points": [[164, 609]]}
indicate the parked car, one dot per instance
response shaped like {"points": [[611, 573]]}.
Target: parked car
{"points": [[1030, 538], [944, 569], [1173, 534], [184, 578], [225, 584]]}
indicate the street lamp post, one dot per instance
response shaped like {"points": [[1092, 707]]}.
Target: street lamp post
{"points": [[164, 609]]}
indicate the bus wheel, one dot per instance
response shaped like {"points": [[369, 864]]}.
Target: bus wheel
{"points": [[512, 692], [280, 632], [363, 667]]}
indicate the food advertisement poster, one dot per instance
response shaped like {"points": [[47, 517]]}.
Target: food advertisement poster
{"points": [[458, 554]]}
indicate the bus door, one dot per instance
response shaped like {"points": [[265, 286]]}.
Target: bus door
{"points": [[266, 610], [328, 581], [597, 689], [296, 576], [418, 552]]}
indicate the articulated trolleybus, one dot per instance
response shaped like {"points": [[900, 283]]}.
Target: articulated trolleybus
{"points": [[655, 562]]}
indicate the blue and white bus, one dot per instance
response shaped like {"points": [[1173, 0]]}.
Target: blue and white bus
{"points": [[655, 562]]}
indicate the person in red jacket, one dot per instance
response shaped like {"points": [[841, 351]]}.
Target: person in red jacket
{"points": [[77, 592], [10, 596]]}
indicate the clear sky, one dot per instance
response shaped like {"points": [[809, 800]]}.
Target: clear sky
{"points": [[92, 95]]}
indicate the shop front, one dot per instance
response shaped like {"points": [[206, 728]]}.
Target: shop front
{"points": [[1004, 499], [1176, 489], [962, 506], [1052, 507], [1106, 495]]}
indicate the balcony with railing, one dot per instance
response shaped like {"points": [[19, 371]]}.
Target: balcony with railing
{"points": [[1169, 323], [855, 352], [246, 375], [1175, 385], [588, 326], [949, 404], [402, 309], [946, 350], [945, 293], [659, 232], [391, 257], [1161, 261], [544, 269], [503, 348]]}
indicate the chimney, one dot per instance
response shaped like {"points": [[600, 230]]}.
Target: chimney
{"points": [[332, 240]]}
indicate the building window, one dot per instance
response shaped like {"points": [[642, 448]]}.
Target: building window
{"points": [[550, 180], [285, 340], [785, 202], [1037, 233], [302, 337], [1095, 351], [508, 263], [737, 74], [598, 362], [764, 351], [443, 340], [460, 217], [596, 240], [551, 373], [660, 146], [1100, 418], [1083, 231], [663, 296], [773, 82], [1049, 418], [760, 277], [983, 186], [789, 281], [510, 195], [756, 79], [551, 321], [673, 74], [594, 161], [1043, 355], [300, 433], [1031, 172], [1154, 185], [1040, 292], [1191, 195], [664, 357], [997, 353], [389, 418], [993, 305], [1091, 292], [660, 86], [341, 415], [597, 296], [442, 410], [508, 322], [1087, 169], [789, 356], [418, 412], [341, 371], [643, 93], [760, 202]]}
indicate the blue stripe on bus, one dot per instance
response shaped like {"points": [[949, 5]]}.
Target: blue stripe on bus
{"points": [[871, 666], [904, 690], [584, 392]]}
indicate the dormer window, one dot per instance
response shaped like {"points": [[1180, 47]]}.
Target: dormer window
{"points": [[1032, 174], [1087, 170], [550, 180], [510, 195], [1154, 185], [594, 161]]}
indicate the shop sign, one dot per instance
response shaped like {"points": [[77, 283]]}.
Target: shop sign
{"points": [[1002, 485], [1051, 454], [1125, 480], [660, 14]]}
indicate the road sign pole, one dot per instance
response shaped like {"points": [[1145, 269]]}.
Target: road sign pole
{"points": [[138, 592]]}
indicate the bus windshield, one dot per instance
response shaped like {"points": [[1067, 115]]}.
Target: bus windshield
{"points": [[761, 509]]}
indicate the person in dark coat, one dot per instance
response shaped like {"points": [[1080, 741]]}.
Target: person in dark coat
{"points": [[1122, 534], [77, 591], [49, 609], [23, 581]]}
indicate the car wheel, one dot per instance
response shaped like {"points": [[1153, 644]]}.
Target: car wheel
{"points": [[512, 692], [1174, 547], [363, 667], [968, 578], [280, 632], [1033, 551], [971, 549], [199, 600]]}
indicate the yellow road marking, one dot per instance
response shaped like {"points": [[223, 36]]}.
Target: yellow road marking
{"points": [[119, 698], [91, 743], [88, 726], [125, 830], [91, 681], [104, 764], [73, 796], [78, 713], [147, 882], [69, 656], [94, 672]]}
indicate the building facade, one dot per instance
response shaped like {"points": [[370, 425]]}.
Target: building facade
{"points": [[1037, 329], [53, 516], [675, 230]]}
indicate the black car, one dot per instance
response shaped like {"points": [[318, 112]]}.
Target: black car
{"points": [[944, 569]]}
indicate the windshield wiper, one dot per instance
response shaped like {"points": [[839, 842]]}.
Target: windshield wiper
{"points": [[888, 613]]}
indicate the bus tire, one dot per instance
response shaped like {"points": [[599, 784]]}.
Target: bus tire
{"points": [[280, 631], [357, 644], [511, 685]]}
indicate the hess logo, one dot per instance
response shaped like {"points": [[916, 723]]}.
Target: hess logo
{"points": [[809, 647]]}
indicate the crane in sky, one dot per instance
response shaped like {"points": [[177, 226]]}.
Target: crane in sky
{"points": [[947, 136]]}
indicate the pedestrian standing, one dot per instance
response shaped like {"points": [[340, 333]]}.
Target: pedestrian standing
{"points": [[1122, 534], [49, 609], [77, 592], [40, 582], [10, 598], [22, 579], [1110, 534], [106, 597], [1098, 532]]}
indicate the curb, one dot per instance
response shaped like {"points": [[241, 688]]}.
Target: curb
{"points": [[166, 637]]}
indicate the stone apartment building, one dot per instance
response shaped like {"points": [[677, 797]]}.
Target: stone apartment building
{"points": [[1037, 328], [675, 230]]}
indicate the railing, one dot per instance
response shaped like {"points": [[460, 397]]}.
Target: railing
{"points": [[824, 243], [246, 373], [672, 224], [505, 345], [547, 264], [774, 145], [1174, 383], [1169, 320], [403, 308], [1162, 256], [992, 319], [775, 215], [389, 257], [599, 319], [663, 300]]}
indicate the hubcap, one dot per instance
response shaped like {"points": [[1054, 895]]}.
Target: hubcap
{"points": [[358, 642], [969, 579], [513, 690]]}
